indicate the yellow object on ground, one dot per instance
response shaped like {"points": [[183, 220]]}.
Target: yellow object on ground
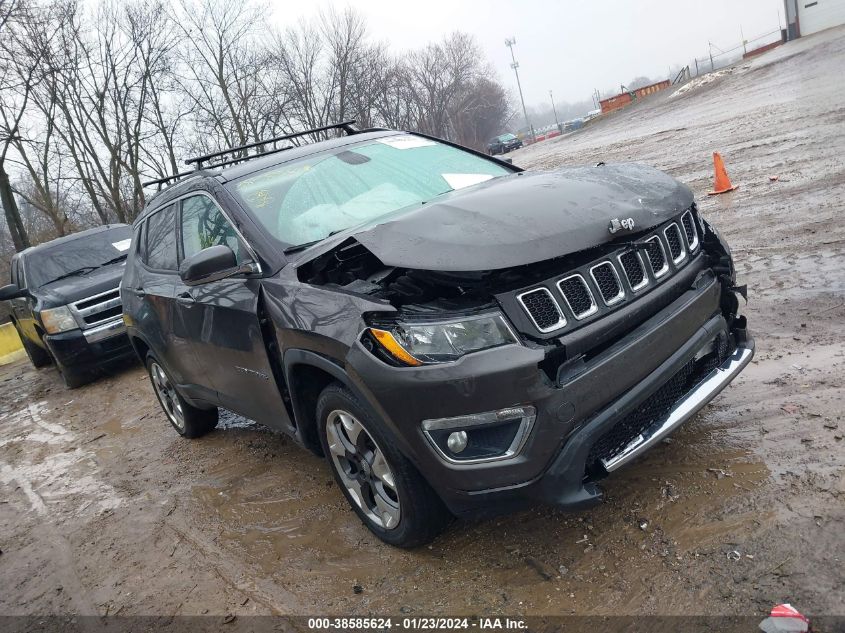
{"points": [[11, 348]]}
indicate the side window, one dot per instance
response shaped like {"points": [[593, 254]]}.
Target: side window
{"points": [[204, 225], [161, 239], [19, 274], [141, 242]]}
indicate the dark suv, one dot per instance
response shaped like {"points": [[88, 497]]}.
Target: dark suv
{"points": [[457, 336], [65, 301], [503, 144]]}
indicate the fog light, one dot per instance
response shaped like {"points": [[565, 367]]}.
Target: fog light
{"points": [[457, 441], [480, 437]]}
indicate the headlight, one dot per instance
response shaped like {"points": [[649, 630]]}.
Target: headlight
{"points": [[443, 341], [58, 320]]}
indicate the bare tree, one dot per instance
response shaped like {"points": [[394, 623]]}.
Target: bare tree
{"points": [[16, 86], [98, 98]]}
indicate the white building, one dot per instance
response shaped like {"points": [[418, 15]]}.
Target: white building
{"points": [[805, 17]]}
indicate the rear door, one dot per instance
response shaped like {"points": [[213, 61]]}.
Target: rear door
{"points": [[155, 286], [221, 317]]}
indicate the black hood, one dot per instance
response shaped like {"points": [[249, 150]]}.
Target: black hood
{"points": [[64, 291], [525, 218]]}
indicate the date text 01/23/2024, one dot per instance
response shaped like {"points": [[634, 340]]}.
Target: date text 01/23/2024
{"points": [[416, 624]]}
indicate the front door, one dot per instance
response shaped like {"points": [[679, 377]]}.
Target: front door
{"points": [[222, 320]]}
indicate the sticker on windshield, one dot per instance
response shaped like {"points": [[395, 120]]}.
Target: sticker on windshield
{"points": [[122, 245], [406, 141], [459, 181]]}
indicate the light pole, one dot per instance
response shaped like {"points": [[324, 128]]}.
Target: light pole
{"points": [[515, 65], [554, 109]]}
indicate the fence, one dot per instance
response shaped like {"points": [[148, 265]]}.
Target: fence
{"points": [[718, 58]]}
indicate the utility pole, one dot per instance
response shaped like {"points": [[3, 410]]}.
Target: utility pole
{"points": [[515, 65], [710, 46], [554, 109], [742, 35]]}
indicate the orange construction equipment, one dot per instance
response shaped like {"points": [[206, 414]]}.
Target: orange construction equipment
{"points": [[723, 183]]}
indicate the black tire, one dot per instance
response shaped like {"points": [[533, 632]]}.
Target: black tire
{"points": [[37, 356], [73, 378], [423, 515], [188, 420]]}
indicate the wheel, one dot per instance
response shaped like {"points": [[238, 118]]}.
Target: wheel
{"points": [[189, 421], [381, 485], [73, 378], [37, 356]]}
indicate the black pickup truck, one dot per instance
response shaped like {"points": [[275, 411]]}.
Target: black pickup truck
{"points": [[65, 301]]}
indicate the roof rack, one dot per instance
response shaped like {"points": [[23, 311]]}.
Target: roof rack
{"points": [[346, 126], [161, 181]]}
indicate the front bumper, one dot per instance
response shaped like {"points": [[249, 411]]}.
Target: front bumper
{"points": [[91, 348], [573, 412], [564, 482]]}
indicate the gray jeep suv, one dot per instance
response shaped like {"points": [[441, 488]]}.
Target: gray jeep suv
{"points": [[455, 335]]}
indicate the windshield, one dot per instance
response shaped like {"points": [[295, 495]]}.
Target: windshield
{"points": [[507, 137], [307, 200], [83, 254]]}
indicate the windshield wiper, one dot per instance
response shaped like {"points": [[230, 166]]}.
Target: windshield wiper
{"points": [[302, 247], [79, 271], [113, 260]]}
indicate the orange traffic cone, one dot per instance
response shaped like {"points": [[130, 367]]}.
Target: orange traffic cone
{"points": [[723, 183]]}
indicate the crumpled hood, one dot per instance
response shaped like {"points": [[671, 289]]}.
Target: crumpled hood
{"points": [[525, 218]]}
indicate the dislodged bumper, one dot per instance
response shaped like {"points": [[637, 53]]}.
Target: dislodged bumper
{"points": [[684, 409]]}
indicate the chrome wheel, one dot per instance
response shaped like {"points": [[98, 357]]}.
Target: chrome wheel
{"points": [[167, 396], [363, 469]]}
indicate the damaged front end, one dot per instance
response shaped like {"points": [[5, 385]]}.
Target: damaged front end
{"points": [[537, 380], [570, 306]]}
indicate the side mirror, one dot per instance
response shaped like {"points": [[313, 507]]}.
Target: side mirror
{"points": [[212, 264], [12, 292], [509, 161]]}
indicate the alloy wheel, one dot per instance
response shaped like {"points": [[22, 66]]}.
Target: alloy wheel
{"points": [[167, 396], [363, 469]]}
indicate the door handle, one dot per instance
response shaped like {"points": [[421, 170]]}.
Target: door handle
{"points": [[138, 292], [185, 299]]}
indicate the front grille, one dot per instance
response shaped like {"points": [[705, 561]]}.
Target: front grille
{"points": [[608, 283], [578, 296], [676, 244], [634, 271], [543, 309], [657, 406], [619, 274], [689, 229], [99, 308], [656, 256]]}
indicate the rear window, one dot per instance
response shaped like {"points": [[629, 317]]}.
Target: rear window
{"points": [[161, 239], [309, 199], [78, 256]]}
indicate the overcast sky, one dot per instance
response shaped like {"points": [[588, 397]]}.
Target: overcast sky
{"points": [[569, 46]]}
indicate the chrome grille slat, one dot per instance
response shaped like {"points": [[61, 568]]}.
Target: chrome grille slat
{"points": [[690, 231], [657, 257], [578, 296], [98, 309], [632, 264], [677, 250], [608, 282], [542, 309]]}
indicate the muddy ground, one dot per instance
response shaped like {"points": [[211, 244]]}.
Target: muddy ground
{"points": [[105, 510]]}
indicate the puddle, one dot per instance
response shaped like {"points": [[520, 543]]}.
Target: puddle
{"points": [[49, 466]]}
